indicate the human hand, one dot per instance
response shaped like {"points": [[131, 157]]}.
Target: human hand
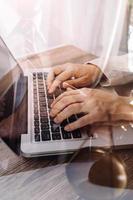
{"points": [[84, 75], [95, 104]]}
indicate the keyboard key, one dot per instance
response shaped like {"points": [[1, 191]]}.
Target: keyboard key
{"points": [[37, 130], [35, 101], [35, 106], [39, 74], [45, 136], [64, 123], [35, 90], [36, 123], [76, 134], [36, 117], [50, 96], [44, 126], [55, 127], [36, 112], [37, 138], [42, 99], [34, 81], [56, 136], [41, 91], [43, 114], [45, 75], [72, 119], [42, 104], [34, 76], [43, 109], [44, 120], [35, 109], [66, 135], [35, 96], [41, 94], [40, 79]]}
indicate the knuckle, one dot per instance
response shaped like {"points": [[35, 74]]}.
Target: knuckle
{"points": [[69, 109], [61, 116], [73, 107], [55, 111]]}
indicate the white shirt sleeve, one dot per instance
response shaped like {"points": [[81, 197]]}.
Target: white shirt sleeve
{"points": [[118, 70]]}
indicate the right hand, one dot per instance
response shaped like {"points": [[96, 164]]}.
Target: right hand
{"points": [[84, 75], [95, 105]]}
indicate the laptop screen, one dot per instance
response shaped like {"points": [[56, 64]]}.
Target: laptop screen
{"points": [[7, 68], [12, 89], [6, 60]]}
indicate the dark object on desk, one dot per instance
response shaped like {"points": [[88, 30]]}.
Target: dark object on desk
{"points": [[108, 171]]}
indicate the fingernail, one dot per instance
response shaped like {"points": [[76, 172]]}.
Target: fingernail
{"points": [[64, 84], [56, 121], [49, 91], [67, 128], [51, 105]]}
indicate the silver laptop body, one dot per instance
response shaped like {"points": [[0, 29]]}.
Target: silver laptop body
{"points": [[58, 141]]}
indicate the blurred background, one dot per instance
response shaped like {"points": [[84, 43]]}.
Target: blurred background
{"points": [[34, 26]]}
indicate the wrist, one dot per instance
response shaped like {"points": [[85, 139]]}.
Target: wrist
{"points": [[122, 109], [97, 74]]}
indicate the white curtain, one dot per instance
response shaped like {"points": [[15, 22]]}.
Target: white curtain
{"points": [[30, 26]]}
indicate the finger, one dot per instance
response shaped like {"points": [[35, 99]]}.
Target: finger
{"points": [[56, 83], [50, 78], [78, 82], [53, 73], [60, 79], [66, 101], [69, 89], [68, 111], [64, 94], [81, 122]]}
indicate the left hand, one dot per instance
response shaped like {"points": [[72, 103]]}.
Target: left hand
{"points": [[95, 104], [84, 75]]}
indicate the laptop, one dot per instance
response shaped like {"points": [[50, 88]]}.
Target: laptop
{"points": [[43, 136]]}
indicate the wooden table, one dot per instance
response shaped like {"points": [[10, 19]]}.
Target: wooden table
{"points": [[14, 169]]}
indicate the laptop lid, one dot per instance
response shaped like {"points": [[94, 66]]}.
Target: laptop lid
{"points": [[12, 88]]}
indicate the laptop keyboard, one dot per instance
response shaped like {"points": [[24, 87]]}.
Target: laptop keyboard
{"points": [[44, 127]]}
